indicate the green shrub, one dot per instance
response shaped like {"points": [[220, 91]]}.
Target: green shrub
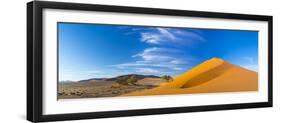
{"points": [[122, 81], [132, 81], [128, 80], [167, 78]]}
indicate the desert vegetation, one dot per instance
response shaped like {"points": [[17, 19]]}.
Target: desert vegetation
{"points": [[214, 75], [108, 87], [127, 80], [167, 78]]}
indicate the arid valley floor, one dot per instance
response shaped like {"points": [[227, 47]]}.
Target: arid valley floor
{"points": [[211, 76]]}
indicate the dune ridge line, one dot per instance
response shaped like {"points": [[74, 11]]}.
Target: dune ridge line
{"points": [[214, 75]]}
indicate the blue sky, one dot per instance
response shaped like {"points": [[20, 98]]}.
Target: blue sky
{"points": [[102, 51]]}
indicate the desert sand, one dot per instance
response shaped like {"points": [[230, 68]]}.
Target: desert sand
{"points": [[94, 88], [211, 76], [214, 75]]}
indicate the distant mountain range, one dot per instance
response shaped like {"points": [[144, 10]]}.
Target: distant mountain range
{"points": [[92, 79], [66, 81], [137, 76]]}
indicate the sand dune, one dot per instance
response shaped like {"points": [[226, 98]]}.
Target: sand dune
{"points": [[214, 75]]}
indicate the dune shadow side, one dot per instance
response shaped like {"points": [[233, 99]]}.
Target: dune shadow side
{"points": [[207, 75]]}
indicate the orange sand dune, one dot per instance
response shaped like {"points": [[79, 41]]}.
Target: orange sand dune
{"points": [[214, 75]]}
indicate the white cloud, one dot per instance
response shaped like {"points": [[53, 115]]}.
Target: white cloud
{"points": [[177, 68], [126, 65], [249, 63], [191, 35], [147, 70], [253, 67], [95, 72], [166, 33], [156, 54], [150, 38], [162, 35], [160, 57], [176, 62], [156, 57], [153, 57], [248, 59], [158, 36]]}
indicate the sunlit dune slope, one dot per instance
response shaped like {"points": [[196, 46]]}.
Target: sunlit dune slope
{"points": [[214, 75]]}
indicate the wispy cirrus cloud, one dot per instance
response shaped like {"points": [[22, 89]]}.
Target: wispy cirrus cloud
{"points": [[163, 35], [147, 71], [163, 55], [156, 58], [248, 59], [156, 54], [249, 63], [253, 67], [95, 72]]}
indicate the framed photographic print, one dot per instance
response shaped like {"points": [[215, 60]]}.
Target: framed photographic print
{"points": [[95, 61]]}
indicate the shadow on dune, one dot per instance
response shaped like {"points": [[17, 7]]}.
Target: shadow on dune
{"points": [[212, 73]]}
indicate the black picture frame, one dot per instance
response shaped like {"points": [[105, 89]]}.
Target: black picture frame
{"points": [[35, 69]]}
